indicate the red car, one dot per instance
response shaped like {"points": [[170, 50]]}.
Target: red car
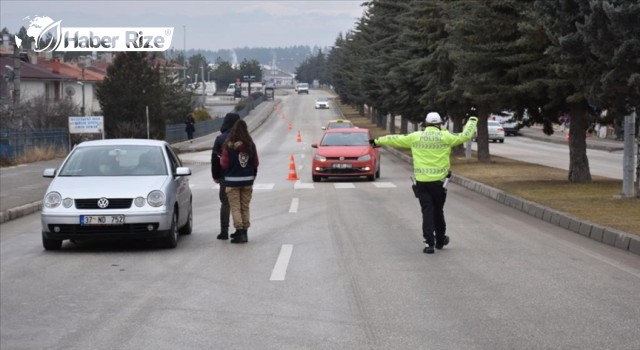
{"points": [[345, 152]]}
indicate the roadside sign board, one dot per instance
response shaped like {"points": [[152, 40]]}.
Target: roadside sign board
{"points": [[86, 125]]}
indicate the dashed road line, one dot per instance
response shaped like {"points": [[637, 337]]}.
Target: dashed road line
{"points": [[280, 269], [293, 208]]}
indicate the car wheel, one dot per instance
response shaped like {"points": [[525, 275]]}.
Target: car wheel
{"points": [[371, 177], [315, 178], [501, 141], [171, 241], [378, 173], [51, 244], [188, 226]]}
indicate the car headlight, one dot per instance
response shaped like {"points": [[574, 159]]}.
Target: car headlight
{"points": [[156, 198], [320, 158], [364, 158], [52, 200]]}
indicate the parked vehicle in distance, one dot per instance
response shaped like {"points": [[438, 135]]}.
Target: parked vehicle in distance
{"points": [[345, 152], [510, 127], [302, 88], [322, 103], [244, 89], [495, 131], [209, 88], [117, 189], [338, 123]]}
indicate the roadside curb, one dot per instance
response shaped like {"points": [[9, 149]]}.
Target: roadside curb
{"points": [[606, 235], [14, 213]]}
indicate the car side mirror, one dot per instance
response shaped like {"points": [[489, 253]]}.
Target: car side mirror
{"points": [[183, 171], [51, 172], [314, 145]]}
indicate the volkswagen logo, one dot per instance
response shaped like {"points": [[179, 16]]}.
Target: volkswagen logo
{"points": [[103, 203], [341, 158]]}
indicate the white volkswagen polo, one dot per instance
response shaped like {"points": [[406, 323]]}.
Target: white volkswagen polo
{"points": [[117, 189]]}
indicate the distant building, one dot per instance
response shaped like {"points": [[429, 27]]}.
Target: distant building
{"points": [[277, 78]]}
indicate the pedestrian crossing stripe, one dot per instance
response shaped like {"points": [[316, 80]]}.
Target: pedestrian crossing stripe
{"points": [[344, 185], [384, 185], [299, 185], [302, 185]]}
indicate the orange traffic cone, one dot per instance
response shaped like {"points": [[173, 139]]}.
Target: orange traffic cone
{"points": [[299, 138], [293, 175], [290, 126]]}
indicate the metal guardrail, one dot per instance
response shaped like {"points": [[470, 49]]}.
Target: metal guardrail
{"points": [[17, 143]]}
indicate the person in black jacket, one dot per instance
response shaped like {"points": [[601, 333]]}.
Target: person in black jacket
{"points": [[190, 127], [217, 173], [240, 163]]}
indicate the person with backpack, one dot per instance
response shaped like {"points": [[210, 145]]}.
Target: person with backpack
{"points": [[240, 163]]}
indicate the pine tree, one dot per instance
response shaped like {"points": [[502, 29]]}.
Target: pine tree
{"points": [[132, 84]]}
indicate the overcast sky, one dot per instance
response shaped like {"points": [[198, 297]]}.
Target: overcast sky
{"points": [[209, 24]]}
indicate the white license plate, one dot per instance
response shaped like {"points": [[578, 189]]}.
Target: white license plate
{"points": [[342, 166], [101, 219]]}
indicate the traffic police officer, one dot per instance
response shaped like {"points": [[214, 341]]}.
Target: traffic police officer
{"points": [[431, 150]]}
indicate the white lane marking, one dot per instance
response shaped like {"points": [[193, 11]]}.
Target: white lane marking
{"points": [[293, 208], [299, 185], [280, 268], [263, 186], [344, 185], [384, 185]]}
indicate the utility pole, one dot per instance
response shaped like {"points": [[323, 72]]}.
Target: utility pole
{"points": [[83, 103], [637, 131], [16, 81], [184, 56], [204, 95], [628, 156]]}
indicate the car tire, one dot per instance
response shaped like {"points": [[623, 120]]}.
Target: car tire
{"points": [[371, 177], [316, 178], [378, 174], [171, 241], [188, 226], [51, 244], [501, 141]]}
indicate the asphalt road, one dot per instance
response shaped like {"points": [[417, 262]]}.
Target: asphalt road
{"points": [[330, 265]]}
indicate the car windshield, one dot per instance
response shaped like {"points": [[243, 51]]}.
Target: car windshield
{"points": [[345, 139], [118, 160]]}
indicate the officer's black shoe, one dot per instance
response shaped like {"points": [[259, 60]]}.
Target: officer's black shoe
{"points": [[445, 241], [428, 250], [241, 237], [223, 235]]}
